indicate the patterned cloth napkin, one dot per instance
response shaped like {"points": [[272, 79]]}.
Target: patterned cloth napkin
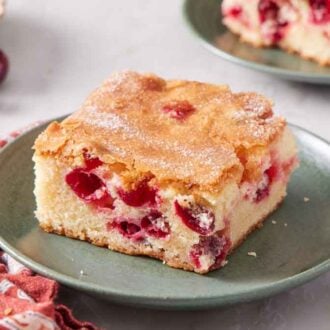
{"points": [[27, 299]]}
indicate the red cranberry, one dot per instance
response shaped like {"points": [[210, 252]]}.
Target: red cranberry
{"points": [[320, 11], [91, 162], [196, 217], [89, 187], [178, 109], [4, 66], [83, 184], [220, 258], [155, 225], [270, 175], [235, 11], [269, 12], [261, 194], [128, 229], [3, 143], [140, 195], [216, 247]]}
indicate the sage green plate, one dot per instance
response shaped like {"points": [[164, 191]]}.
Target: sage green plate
{"points": [[204, 19], [287, 256]]}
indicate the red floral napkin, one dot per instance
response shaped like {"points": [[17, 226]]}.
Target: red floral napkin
{"points": [[26, 299]]}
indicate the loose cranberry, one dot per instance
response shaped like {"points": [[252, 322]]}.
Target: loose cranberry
{"points": [[4, 66], [320, 11], [139, 196], [196, 217], [235, 11], [3, 143], [195, 255], [89, 187], [216, 247], [155, 225], [178, 109], [91, 162]]}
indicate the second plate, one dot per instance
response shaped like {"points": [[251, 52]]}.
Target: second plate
{"points": [[204, 19], [287, 255]]}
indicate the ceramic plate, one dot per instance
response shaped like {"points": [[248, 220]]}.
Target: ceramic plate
{"points": [[287, 255], [204, 18]]}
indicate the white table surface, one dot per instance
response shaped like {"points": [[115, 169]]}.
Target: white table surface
{"points": [[60, 50]]}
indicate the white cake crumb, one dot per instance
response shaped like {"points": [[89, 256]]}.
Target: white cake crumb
{"points": [[285, 224], [274, 222], [252, 254], [82, 273], [306, 199]]}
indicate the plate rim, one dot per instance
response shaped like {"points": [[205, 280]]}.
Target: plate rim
{"points": [[323, 79], [166, 302]]}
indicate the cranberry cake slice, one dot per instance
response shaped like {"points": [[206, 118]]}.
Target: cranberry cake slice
{"points": [[300, 26], [177, 170]]}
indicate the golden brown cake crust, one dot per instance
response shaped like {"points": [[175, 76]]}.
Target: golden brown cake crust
{"points": [[125, 121]]}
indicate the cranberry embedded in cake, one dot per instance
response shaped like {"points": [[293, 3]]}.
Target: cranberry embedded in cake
{"points": [[300, 26], [140, 195], [210, 252], [155, 224], [178, 109], [235, 11], [196, 217], [121, 172], [320, 11], [272, 22]]}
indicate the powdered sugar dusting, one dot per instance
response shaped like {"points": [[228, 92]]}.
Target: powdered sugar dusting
{"points": [[125, 116], [108, 120], [128, 130]]}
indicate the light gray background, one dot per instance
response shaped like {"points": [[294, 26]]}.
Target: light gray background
{"points": [[60, 50]]}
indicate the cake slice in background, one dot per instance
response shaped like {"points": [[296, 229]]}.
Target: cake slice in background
{"points": [[177, 170], [298, 26], [2, 7]]}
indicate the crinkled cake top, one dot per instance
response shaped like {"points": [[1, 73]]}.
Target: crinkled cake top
{"points": [[177, 130]]}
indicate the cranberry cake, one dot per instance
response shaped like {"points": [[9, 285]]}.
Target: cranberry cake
{"points": [[300, 26], [177, 170]]}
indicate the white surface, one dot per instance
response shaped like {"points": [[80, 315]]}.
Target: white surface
{"points": [[60, 50]]}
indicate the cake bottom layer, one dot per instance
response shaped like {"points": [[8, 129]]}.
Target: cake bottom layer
{"points": [[61, 212]]}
